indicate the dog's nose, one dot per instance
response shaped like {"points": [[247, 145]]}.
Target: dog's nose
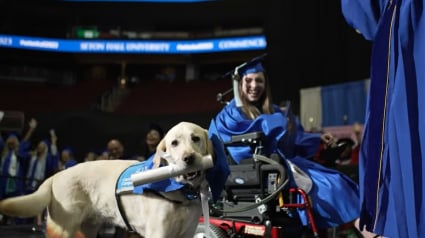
{"points": [[189, 159]]}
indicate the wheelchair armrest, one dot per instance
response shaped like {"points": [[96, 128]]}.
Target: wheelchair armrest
{"points": [[248, 138]]}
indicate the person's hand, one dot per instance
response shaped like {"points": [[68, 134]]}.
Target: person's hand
{"points": [[32, 124], [357, 129], [53, 137], [328, 139]]}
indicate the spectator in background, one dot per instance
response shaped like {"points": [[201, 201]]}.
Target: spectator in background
{"points": [[67, 158], [43, 164], [103, 155], [115, 149], [90, 156], [14, 159], [153, 136]]}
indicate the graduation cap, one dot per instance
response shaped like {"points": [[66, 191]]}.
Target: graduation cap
{"points": [[238, 70], [255, 67], [12, 135], [47, 142], [69, 150]]}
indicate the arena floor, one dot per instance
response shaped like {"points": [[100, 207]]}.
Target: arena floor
{"points": [[25, 231], [19, 231]]}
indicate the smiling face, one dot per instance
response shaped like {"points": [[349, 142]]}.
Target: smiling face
{"points": [[115, 149], [152, 138], [253, 86]]}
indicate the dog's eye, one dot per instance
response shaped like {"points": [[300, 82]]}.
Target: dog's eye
{"points": [[174, 143], [196, 138]]}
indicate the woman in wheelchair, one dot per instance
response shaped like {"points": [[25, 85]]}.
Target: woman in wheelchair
{"points": [[334, 196]]}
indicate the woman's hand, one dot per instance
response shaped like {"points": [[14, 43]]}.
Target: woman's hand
{"points": [[328, 139]]}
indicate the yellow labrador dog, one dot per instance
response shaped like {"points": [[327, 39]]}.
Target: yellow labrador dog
{"points": [[82, 197]]}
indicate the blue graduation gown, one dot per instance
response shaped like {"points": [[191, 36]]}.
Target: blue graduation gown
{"points": [[334, 196], [51, 166], [391, 158], [70, 163], [14, 185]]}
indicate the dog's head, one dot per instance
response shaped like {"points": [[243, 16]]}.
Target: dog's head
{"points": [[186, 143]]}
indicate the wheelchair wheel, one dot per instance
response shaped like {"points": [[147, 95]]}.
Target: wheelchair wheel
{"points": [[215, 232]]}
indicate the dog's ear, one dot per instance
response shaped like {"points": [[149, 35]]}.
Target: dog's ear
{"points": [[157, 158], [210, 146]]}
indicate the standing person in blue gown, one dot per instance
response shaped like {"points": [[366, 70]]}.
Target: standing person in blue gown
{"points": [[67, 159], [43, 163], [14, 160], [335, 198], [392, 155], [13, 163]]}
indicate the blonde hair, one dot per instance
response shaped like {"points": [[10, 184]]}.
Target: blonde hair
{"points": [[264, 104], [6, 149]]}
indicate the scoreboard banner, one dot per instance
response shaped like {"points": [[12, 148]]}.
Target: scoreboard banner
{"points": [[135, 46]]}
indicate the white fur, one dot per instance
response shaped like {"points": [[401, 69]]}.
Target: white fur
{"points": [[82, 197]]}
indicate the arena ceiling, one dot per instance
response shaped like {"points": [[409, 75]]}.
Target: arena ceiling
{"points": [[55, 18]]}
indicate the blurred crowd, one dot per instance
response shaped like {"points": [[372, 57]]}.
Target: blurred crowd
{"points": [[26, 163]]}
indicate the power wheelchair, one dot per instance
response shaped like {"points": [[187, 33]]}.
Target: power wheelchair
{"points": [[258, 201]]}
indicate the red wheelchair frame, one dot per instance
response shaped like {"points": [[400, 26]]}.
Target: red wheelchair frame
{"points": [[246, 229]]}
